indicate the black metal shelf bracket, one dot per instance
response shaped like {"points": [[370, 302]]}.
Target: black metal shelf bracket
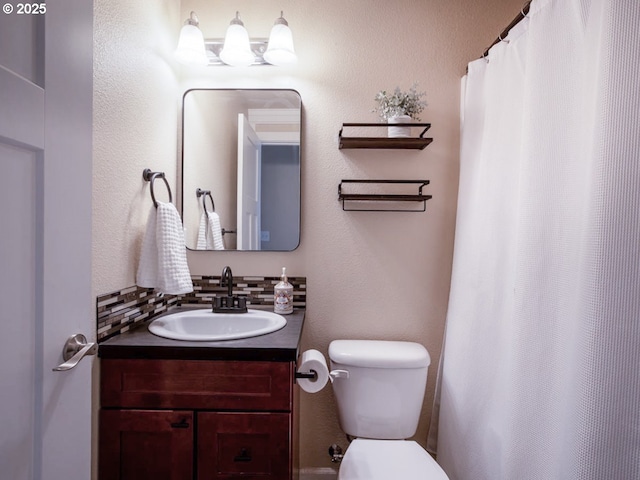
{"points": [[362, 202]]}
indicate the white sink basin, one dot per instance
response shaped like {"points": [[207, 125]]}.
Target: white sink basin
{"points": [[202, 325]]}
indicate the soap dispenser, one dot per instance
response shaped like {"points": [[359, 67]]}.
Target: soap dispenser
{"points": [[283, 295]]}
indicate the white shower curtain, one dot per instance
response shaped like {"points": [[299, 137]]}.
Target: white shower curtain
{"points": [[540, 377]]}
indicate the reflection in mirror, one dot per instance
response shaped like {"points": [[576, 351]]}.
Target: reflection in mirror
{"points": [[241, 169]]}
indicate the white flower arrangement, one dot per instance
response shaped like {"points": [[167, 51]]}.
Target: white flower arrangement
{"points": [[400, 103]]}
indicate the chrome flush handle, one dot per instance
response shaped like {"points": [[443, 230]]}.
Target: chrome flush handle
{"points": [[333, 374], [75, 349]]}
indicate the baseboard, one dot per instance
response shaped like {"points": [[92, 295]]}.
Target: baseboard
{"points": [[318, 474]]}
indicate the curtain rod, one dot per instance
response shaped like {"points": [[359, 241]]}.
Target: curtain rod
{"points": [[505, 32]]}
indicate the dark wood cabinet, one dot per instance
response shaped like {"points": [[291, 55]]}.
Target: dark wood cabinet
{"points": [[141, 444], [234, 444], [196, 419]]}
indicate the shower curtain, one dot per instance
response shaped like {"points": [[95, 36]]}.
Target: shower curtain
{"points": [[540, 375]]}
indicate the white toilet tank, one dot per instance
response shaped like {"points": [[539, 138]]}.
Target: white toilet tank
{"points": [[381, 398]]}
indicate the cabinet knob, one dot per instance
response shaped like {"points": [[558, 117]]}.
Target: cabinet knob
{"points": [[181, 424], [244, 456]]}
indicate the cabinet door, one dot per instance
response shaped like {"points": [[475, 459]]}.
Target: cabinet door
{"points": [[247, 445], [146, 445]]}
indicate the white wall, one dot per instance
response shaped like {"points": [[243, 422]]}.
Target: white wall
{"points": [[136, 125], [370, 275]]}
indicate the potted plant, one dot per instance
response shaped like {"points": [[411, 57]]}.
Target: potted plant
{"points": [[400, 107]]}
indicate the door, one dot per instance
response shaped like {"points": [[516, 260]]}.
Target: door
{"points": [[146, 445], [45, 238], [244, 444], [249, 165]]}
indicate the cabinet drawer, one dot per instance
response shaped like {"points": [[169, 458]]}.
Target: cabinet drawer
{"points": [[197, 384], [146, 445], [248, 445]]}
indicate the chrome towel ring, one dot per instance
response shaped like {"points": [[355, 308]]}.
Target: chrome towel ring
{"points": [[204, 194], [150, 176]]}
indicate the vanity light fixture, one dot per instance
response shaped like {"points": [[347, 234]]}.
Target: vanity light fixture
{"points": [[236, 49], [280, 49], [191, 43]]}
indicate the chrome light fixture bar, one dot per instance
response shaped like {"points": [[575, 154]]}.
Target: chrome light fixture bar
{"points": [[236, 49], [213, 47]]}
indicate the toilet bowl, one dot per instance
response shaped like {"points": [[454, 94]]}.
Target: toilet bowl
{"points": [[379, 387], [368, 459]]}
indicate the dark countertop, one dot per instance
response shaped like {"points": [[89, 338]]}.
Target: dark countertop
{"points": [[279, 346]]}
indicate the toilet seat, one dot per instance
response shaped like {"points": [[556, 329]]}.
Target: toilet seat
{"points": [[367, 459]]}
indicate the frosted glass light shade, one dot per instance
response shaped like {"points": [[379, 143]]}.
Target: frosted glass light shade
{"points": [[280, 49], [237, 49], [190, 49]]}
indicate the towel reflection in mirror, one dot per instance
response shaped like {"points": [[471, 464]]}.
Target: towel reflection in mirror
{"points": [[210, 232]]}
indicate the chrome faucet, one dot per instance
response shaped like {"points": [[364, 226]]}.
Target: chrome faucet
{"points": [[231, 303]]}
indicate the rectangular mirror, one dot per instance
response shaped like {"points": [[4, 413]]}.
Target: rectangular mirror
{"points": [[241, 169]]}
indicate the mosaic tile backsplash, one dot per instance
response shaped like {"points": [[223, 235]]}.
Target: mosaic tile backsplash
{"points": [[131, 307], [123, 310]]}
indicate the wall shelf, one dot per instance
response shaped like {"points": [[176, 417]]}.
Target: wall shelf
{"points": [[415, 143], [365, 201]]}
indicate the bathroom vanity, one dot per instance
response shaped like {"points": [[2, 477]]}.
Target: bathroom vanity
{"points": [[181, 410]]}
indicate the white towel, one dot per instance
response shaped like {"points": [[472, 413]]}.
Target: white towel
{"points": [[210, 238], [163, 260]]}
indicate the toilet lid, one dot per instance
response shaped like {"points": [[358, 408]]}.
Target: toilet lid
{"points": [[388, 460]]}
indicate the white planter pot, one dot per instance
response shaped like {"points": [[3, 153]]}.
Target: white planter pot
{"points": [[393, 132]]}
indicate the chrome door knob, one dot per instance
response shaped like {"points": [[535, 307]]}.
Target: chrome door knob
{"points": [[75, 349]]}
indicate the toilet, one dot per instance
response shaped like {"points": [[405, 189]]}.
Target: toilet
{"points": [[379, 387]]}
